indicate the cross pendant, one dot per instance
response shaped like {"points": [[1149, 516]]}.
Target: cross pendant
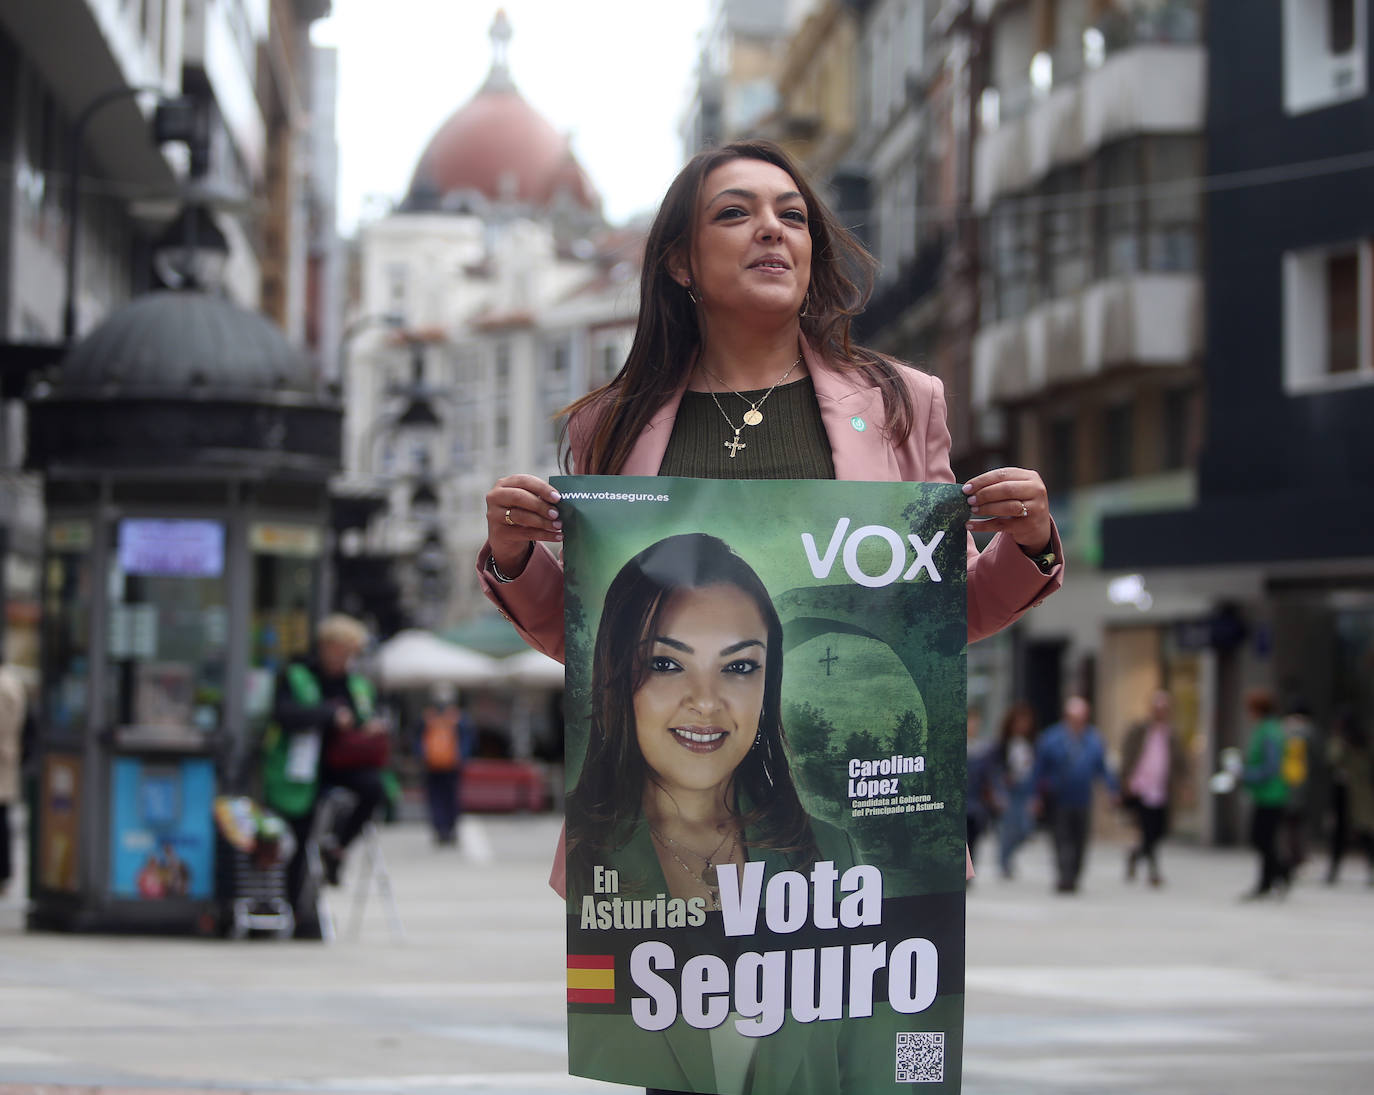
{"points": [[735, 445]]}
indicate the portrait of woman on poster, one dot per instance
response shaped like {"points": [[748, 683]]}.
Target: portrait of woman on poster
{"points": [[686, 768]]}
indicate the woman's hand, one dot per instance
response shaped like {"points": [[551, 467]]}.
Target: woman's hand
{"points": [[520, 510], [1014, 501]]}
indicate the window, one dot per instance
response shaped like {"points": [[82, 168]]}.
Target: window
{"points": [[1117, 442], [1340, 26], [1343, 313], [1066, 233], [1173, 203], [501, 372], [1014, 245], [1327, 316], [557, 395], [68, 588], [397, 279], [1119, 209], [168, 626], [1175, 429], [1323, 53], [1063, 455]]}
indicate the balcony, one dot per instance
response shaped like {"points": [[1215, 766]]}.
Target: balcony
{"points": [[1145, 319], [1146, 89]]}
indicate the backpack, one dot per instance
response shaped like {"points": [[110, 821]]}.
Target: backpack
{"points": [[439, 742], [1293, 765]]}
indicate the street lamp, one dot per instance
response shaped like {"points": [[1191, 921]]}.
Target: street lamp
{"points": [[178, 118], [192, 252]]}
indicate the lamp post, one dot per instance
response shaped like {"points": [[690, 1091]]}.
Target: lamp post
{"points": [[178, 118]]}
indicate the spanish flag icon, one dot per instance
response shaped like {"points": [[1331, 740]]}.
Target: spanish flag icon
{"points": [[591, 979]]}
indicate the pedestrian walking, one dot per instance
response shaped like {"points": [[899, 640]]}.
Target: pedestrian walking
{"points": [[1014, 770], [1263, 778], [1154, 773], [1069, 759], [12, 705], [447, 740], [1351, 765]]}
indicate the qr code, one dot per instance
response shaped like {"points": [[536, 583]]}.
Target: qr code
{"points": [[921, 1058]]}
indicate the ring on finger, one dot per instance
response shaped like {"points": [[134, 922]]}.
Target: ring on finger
{"points": [[510, 522], [1025, 510]]}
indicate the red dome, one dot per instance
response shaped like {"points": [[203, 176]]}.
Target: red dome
{"points": [[501, 147]]}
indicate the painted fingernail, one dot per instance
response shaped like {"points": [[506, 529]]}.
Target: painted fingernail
{"points": [[972, 499], [972, 507], [554, 495], [968, 488], [558, 536], [553, 513], [558, 524]]}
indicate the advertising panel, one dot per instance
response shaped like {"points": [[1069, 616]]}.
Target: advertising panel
{"points": [[766, 744], [162, 833]]}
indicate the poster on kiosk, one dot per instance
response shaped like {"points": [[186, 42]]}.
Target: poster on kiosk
{"points": [[766, 747]]}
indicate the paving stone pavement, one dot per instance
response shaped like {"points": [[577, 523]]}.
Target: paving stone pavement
{"points": [[1121, 989]]}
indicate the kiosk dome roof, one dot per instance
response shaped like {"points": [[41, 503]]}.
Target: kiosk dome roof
{"points": [[179, 342]]}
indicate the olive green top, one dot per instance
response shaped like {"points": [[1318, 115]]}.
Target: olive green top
{"points": [[790, 442]]}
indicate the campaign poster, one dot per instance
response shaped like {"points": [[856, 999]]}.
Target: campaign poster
{"points": [[162, 832], [766, 746]]}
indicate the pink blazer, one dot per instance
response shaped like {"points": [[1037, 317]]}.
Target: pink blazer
{"points": [[1002, 581]]}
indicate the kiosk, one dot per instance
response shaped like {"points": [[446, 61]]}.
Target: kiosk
{"points": [[186, 450]]}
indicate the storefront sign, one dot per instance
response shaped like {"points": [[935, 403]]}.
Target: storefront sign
{"points": [[278, 539]]}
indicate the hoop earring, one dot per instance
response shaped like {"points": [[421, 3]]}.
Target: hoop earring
{"points": [[806, 304]]}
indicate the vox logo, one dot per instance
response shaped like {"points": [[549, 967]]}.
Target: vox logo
{"points": [[845, 544]]}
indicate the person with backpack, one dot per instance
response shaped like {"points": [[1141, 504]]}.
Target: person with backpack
{"points": [[325, 733], [1263, 777], [447, 739]]}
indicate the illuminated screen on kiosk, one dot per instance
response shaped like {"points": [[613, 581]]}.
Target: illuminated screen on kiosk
{"points": [[171, 548]]}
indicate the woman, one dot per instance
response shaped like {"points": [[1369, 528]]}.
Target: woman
{"points": [[742, 367], [685, 769], [1154, 774], [1015, 763]]}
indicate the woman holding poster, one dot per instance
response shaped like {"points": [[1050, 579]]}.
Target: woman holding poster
{"points": [[686, 769], [742, 368]]}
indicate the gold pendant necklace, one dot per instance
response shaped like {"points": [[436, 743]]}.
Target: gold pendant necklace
{"points": [[708, 876], [754, 415]]}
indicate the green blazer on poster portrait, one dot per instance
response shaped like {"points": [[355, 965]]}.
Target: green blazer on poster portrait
{"points": [[820, 1058]]}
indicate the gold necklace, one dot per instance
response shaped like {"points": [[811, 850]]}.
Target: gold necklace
{"points": [[708, 876], [754, 415]]}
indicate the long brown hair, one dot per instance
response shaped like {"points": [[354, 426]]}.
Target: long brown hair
{"points": [[667, 338], [608, 799]]}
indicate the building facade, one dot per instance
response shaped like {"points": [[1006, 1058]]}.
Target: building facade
{"points": [[80, 84], [496, 294], [1276, 554]]}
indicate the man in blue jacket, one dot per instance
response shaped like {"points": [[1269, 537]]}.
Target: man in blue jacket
{"points": [[1068, 758]]}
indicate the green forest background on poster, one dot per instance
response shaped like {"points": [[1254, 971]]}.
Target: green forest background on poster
{"points": [[868, 672]]}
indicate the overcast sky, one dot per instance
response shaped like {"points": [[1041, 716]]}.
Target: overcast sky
{"points": [[613, 73]]}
